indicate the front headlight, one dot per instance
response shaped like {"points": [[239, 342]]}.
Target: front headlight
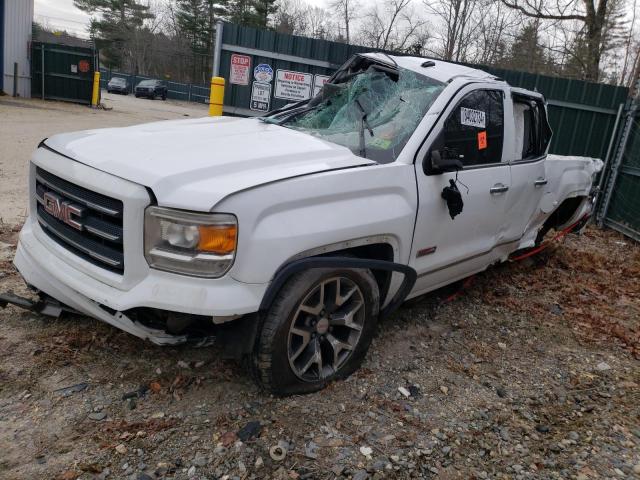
{"points": [[199, 244]]}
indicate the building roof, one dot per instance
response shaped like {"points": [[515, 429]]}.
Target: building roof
{"points": [[61, 38]]}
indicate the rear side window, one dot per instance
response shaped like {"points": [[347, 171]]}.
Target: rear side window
{"points": [[532, 127], [475, 128]]}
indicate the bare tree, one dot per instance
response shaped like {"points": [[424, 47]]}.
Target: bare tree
{"points": [[591, 13], [459, 24], [346, 11]]}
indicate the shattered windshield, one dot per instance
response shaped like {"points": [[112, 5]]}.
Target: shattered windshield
{"points": [[372, 111]]}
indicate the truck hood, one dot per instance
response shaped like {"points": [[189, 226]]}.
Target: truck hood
{"points": [[193, 164]]}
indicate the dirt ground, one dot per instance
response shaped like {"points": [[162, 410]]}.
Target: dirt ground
{"points": [[23, 123], [532, 372]]}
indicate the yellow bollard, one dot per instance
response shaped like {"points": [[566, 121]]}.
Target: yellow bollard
{"points": [[217, 97], [95, 97]]}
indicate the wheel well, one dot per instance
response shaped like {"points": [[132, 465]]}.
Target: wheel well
{"points": [[374, 251], [564, 212]]}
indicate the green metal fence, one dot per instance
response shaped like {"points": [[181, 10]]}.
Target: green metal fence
{"points": [[61, 72], [582, 114], [620, 203]]}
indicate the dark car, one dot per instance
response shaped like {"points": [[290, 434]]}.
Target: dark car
{"points": [[118, 85], [151, 89]]}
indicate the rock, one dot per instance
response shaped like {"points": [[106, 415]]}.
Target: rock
{"points": [[249, 431], [603, 367], [183, 364], [242, 468], [542, 428], [366, 451], [574, 436], [191, 472], [143, 476], [502, 346], [121, 449], [360, 475], [259, 463], [501, 392], [97, 416], [414, 390], [200, 460], [337, 470], [636, 468], [311, 450], [131, 404], [444, 389], [404, 392], [157, 415]]}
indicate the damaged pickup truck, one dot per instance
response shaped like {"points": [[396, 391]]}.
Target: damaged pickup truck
{"points": [[286, 237]]}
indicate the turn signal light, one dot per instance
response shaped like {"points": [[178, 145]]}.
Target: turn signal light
{"points": [[218, 239]]}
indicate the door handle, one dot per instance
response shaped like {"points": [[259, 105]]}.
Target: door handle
{"points": [[540, 182], [498, 188]]}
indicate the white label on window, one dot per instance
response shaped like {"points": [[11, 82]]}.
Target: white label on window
{"points": [[472, 118]]}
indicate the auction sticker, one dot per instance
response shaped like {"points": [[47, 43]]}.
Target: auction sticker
{"points": [[263, 73], [260, 96], [240, 66], [318, 83], [293, 85], [472, 118]]}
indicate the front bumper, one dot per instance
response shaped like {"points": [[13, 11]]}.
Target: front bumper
{"points": [[46, 272]]}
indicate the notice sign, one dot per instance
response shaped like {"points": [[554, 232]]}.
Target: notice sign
{"points": [[240, 67], [260, 96], [318, 83], [472, 118], [293, 85]]}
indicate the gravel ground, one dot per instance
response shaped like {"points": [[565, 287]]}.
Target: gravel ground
{"points": [[23, 123], [531, 372]]}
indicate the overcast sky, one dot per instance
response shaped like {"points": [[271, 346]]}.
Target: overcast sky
{"points": [[61, 14]]}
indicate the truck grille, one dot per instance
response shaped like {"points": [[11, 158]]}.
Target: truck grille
{"points": [[87, 223]]}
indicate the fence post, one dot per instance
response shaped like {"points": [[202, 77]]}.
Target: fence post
{"points": [[15, 79], [217, 49], [615, 164], [42, 69], [190, 87]]}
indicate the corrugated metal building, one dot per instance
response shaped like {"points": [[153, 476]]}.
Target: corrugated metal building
{"points": [[16, 17]]}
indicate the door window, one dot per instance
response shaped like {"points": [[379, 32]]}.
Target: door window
{"points": [[475, 129]]}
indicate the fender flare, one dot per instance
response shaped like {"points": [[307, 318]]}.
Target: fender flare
{"points": [[285, 272]]}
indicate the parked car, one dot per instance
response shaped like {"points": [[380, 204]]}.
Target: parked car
{"points": [[286, 237], [151, 89], [118, 85]]}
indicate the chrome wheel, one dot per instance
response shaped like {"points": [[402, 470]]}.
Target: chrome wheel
{"points": [[326, 328]]}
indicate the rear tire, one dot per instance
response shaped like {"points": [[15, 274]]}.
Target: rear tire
{"points": [[317, 330]]}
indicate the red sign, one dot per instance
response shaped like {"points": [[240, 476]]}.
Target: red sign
{"points": [[482, 140], [240, 67], [84, 66]]}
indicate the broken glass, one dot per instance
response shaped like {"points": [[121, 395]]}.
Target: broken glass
{"points": [[385, 107]]}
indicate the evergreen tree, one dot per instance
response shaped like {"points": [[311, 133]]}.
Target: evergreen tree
{"points": [[527, 53], [118, 21]]}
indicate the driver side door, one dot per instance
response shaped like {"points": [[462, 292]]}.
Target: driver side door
{"points": [[445, 249]]}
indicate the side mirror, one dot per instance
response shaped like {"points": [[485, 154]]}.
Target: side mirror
{"points": [[441, 161]]}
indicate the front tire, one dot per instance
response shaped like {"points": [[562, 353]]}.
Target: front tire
{"points": [[317, 330]]}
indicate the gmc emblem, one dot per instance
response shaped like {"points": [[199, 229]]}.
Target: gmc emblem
{"points": [[64, 211]]}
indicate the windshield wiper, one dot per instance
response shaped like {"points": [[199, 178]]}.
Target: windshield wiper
{"points": [[363, 124]]}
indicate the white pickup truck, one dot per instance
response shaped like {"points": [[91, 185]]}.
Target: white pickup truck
{"points": [[286, 237]]}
